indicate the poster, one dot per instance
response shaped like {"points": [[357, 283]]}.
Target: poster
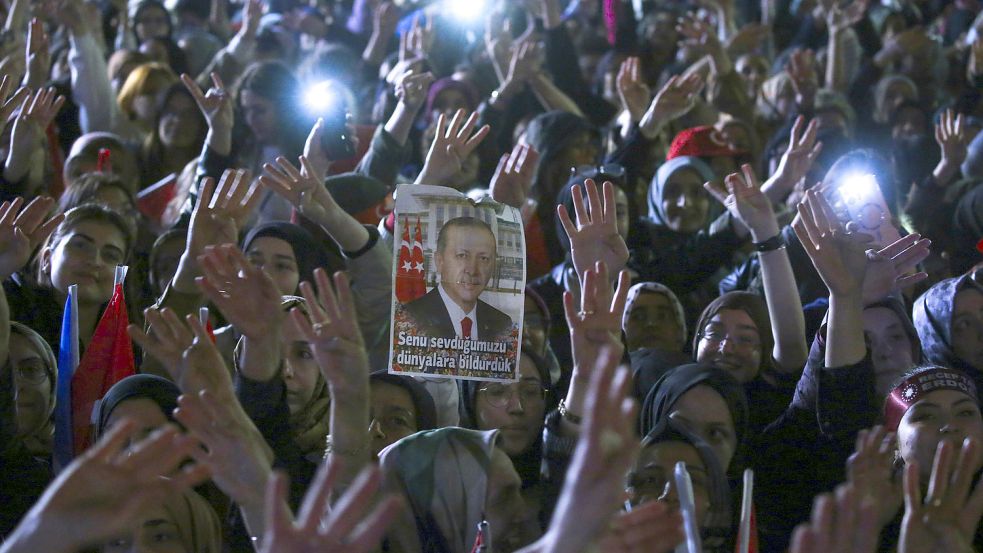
{"points": [[458, 281]]}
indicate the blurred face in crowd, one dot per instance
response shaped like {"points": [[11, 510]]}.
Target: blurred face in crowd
{"points": [[737, 136], [158, 532], [659, 32], [909, 123], [448, 102], [654, 480], [275, 257], [621, 212], [896, 94], [146, 415], [260, 114], [753, 70], [180, 122], [582, 150], [392, 414], [507, 514], [705, 412], [32, 384], [731, 341], [152, 22], [86, 255], [516, 409], [166, 257], [938, 415], [967, 327], [300, 370], [533, 327], [652, 323], [466, 263], [684, 202], [890, 347]]}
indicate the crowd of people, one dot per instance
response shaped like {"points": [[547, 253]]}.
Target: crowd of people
{"points": [[753, 240]]}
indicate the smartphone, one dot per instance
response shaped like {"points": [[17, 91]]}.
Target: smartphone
{"points": [[857, 198]]}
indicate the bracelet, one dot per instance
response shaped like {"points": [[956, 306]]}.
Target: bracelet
{"points": [[565, 413], [771, 244]]}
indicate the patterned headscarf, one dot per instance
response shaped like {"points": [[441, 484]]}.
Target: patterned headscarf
{"points": [[932, 315], [664, 173], [655, 288]]}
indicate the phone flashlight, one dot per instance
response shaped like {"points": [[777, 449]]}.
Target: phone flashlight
{"points": [[327, 100]]}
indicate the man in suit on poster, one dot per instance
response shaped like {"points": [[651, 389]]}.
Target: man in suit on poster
{"points": [[465, 260]]}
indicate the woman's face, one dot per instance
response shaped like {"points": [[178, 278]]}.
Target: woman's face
{"points": [[909, 123], [652, 323], [166, 259], [939, 415], [654, 478], [276, 258], [890, 347], [392, 414], [516, 409], [448, 102], [967, 327], [506, 512], [144, 412], [300, 370], [158, 532], [753, 70], [86, 255], [533, 327], [897, 93], [704, 411], [261, 116], [152, 22], [32, 385], [684, 202], [731, 341], [582, 150], [180, 122]]}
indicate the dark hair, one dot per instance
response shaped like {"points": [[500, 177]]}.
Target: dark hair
{"points": [[86, 212], [84, 190], [275, 82], [177, 60], [464, 222], [152, 150], [144, 5]]}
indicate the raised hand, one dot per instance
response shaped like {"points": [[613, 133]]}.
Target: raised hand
{"points": [[802, 151], [697, 34], [215, 104], [870, 471], [889, 270], [9, 103], [303, 188], [594, 486], [747, 203], [844, 522], [673, 100], [421, 37], [349, 527], [595, 236], [252, 14], [802, 69], [23, 230], [412, 88], [749, 38], [838, 253], [38, 55], [514, 176], [597, 324], [217, 218], [650, 527], [632, 90], [525, 63], [839, 19], [228, 279], [36, 113], [452, 145], [385, 18], [332, 330], [952, 137], [947, 519], [103, 492]]}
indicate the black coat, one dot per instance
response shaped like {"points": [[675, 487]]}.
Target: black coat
{"points": [[431, 318]]}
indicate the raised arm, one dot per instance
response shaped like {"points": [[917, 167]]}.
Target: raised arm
{"points": [[747, 203], [453, 143]]}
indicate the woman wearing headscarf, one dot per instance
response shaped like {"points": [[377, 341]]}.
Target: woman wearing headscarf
{"points": [[181, 523], [400, 406], [453, 479], [34, 365], [654, 318], [146, 399], [651, 479], [949, 321]]}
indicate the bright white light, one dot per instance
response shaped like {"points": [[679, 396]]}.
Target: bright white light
{"points": [[858, 188], [319, 97], [466, 11]]}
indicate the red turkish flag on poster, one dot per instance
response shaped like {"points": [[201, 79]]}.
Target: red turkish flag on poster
{"points": [[405, 283], [419, 274]]}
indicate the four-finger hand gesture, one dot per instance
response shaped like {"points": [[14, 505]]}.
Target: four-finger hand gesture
{"points": [[870, 471], [632, 90], [514, 176], [451, 146], [595, 236], [891, 269], [838, 254], [228, 279], [23, 230], [303, 188], [597, 324], [952, 137]]}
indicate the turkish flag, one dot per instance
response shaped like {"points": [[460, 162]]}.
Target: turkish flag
{"points": [[405, 285], [419, 275]]}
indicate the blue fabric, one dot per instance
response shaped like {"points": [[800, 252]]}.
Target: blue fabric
{"points": [[68, 359]]}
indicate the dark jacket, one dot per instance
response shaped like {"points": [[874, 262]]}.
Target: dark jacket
{"points": [[431, 317]]}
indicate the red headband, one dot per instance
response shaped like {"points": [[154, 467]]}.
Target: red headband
{"points": [[914, 388]]}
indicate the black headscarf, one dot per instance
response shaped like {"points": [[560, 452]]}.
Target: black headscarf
{"points": [[667, 391], [309, 253], [756, 308], [426, 412], [967, 230], [159, 390], [933, 313]]}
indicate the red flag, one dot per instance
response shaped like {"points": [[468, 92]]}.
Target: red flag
{"points": [[753, 541], [107, 360], [419, 275], [405, 287]]}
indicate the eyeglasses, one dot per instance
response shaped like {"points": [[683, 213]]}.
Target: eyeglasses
{"points": [[716, 337], [499, 395], [612, 171]]}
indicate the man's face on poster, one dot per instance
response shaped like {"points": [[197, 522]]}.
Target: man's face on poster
{"points": [[466, 263]]}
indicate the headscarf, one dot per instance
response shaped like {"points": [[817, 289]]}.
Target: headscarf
{"points": [[662, 176], [756, 308], [444, 475], [550, 133], [967, 230], [881, 109], [655, 288], [196, 521], [648, 365], [38, 441], [426, 412], [465, 88], [667, 391], [771, 90], [899, 309], [309, 253], [311, 425], [717, 528], [932, 315], [361, 196], [157, 389]]}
